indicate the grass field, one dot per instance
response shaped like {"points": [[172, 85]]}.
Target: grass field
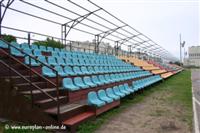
{"points": [[179, 87]]}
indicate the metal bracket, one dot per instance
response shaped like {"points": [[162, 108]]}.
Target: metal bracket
{"points": [[74, 23], [4, 12]]}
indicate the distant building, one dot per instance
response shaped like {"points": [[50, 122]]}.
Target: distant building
{"points": [[193, 57]]}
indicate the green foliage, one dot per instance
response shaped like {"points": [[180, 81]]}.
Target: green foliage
{"points": [[50, 43], [9, 38]]}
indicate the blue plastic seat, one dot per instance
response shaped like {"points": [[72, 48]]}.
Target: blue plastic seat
{"points": [[128, 88], [62, 54], [79, 82], [16, 52], [77, 70], [102, 96], [123, 90], [75, 62], [94, 100], [28, 51], [69, 62], [54, 54], [25, 46], [68, 84], [60, 71], [43, 48], [102, 79], [118, 92], [32, 63], [37, 52], [111, 94], [107, 78], [50, 49], [96, 80], [84, 70], [34, 47], [69, 70], [15, 44], [48, 72], [82, 62], [61, 61], [87, 80], [91, 70], [52, 61], [42, 59], [56, 49]]}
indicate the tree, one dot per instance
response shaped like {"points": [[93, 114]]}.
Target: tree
{"points": [[9, 38], [50, 43]]}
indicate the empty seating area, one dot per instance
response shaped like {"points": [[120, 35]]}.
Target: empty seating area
{"points": [[166, 75], [94, 81]]}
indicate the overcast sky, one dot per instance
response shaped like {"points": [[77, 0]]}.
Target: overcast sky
{"points": [[161, 20]]}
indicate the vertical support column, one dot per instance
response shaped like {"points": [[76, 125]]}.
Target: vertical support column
{"points": [[29, 38], [97, 44], [0, 18], [180, 50]]}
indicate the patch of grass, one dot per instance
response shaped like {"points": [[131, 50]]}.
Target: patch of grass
{"points": [[179, 87]]}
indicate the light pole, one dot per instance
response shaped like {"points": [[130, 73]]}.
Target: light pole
{"points": [[181, 45]]}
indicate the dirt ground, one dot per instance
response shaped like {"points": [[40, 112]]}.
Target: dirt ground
{"points": [[153, 115]]}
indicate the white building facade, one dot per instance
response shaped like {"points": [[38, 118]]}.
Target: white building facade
{"points": [[193, 57]]}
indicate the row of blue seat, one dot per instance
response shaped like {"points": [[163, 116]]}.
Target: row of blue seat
{"points": [[57, 51], [103, 97], [75, 70], [139, 84], [72, 62], [86, 82]]}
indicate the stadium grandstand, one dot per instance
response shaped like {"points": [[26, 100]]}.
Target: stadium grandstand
{"points": [[77, 80]]}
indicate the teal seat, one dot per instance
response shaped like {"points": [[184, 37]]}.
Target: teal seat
{"points": [[61, 61], [48, 72], [94, 100], [127, 88], [75, 62], [43, 48], [69, 70], [68, 84], [102, 96], [34, 47], [102, 79], [52, 61], [84, 70], [3, 44], [32, 63], [108, 78], [87, 80], [117, 92], [62, 54], [54, 54], [60, 71], [122, 89], [69, 62], [57, 50], [111, 94], [96, 80], [37, 52], [16, 52], [50, 49], [25, 46], [77, 70], [28, 51], [91, 70], [79, 82], [42, 59]]}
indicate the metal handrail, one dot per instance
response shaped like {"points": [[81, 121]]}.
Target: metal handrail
{"points": [[30, 70]]}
